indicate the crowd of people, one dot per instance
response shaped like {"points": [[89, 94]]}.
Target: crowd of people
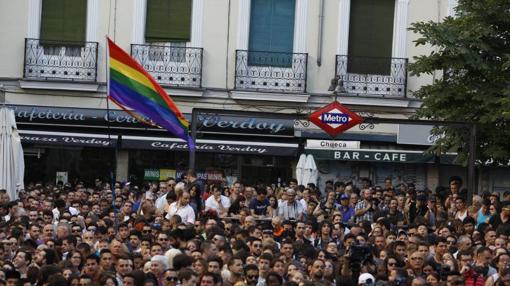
{"points": [[187, 232]]}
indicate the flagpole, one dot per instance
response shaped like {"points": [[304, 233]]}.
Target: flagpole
{"points": [[114, 165], [194, 120]]}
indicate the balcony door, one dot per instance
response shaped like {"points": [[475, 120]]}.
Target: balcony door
{"points": [[168, 27], [371, 36], [271, 36], [63, 22], [58, 44]]}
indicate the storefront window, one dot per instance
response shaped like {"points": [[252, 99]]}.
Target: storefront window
{"points": [[80, 163]]}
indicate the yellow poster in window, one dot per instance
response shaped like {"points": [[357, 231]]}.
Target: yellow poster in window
{"points": [[166, 173]]}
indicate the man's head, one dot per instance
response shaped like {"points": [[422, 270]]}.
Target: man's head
{"points": [[291, 195], [214, 264], [170, 277], [210, 279], [455, 184], [187, 277], [287, 249], [264, 264], [316, 269], [367, 194], [91, 265], [460, 203], [34, 231], [251, 274], [22, 259], [235, 266], [255, 246], [185, 199], [124, 265], [261, 194], [416, 260], [441, 246]]}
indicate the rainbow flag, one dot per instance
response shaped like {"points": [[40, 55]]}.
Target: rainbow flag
{"points": [[134, 90]]}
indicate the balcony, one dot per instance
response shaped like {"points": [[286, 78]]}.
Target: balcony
{"points": [[53, 60], [271, 71], [381, 77], [176, 66]]}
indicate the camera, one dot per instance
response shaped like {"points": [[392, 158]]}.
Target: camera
{"points": [[421, 197], [361, 253]]}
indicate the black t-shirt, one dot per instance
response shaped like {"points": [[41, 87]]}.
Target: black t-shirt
{"points": [[260, 207]]}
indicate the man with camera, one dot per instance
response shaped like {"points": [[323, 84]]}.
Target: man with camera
{"points": [[473, 275]]}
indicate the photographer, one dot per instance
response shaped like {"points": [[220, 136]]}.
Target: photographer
{"points": [[417, 205], [473, 275], [392, 214]]}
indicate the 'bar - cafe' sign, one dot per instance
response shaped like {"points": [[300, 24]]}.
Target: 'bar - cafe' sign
{"points": [[395, 156]]}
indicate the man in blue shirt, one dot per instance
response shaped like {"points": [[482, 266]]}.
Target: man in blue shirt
{"points": [[346, 209], [258, 206]]}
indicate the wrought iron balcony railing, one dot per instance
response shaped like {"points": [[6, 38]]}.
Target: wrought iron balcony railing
{"points": [[171, 65], [53, 60], [271, 71], [386, 77]]}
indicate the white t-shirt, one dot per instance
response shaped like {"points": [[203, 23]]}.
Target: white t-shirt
{"points": [[161, 202], [186, 213], [211, 203]]}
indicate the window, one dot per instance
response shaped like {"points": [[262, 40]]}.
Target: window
{"points": [[168, 21], [371, 36], [271, 38], [63, 22]]}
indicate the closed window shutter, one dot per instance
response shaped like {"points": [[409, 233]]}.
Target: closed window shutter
{"points": [[168, 21], [371, 36], [63, 21], [271, 32]]}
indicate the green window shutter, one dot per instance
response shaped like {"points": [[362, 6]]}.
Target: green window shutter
{"points": [[63, 21], [371, 36], [271, 38], [168, 21]]}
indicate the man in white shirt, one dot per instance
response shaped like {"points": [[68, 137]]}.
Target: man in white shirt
{"points": [[182, 208], [164, 189], [290, 209], [218, 202]]}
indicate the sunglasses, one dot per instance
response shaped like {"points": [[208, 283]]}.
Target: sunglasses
{"points": [[251, 277], [171, 278]]}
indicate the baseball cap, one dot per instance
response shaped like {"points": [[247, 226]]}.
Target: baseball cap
{"points": [[267, 231], [344, 197], [400, 232], [366, 279]]}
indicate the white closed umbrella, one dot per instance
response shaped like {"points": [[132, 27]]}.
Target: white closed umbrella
{"points": [[300, 167], [12, 165], [310, 173]]}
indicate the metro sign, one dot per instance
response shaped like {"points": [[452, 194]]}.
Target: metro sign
{"points": [[335, 118]]}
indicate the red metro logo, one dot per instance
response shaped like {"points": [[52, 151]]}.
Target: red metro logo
{"points": [[335, 118]]}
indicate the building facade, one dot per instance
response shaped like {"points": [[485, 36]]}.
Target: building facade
{"points": [[250, 56]]}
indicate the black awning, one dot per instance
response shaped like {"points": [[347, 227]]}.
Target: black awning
{"points": [[67, 139], [213, 146], [156, 143]]}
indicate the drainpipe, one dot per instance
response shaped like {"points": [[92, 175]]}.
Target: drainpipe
{"points": [[2, 94], [319, 41]]}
